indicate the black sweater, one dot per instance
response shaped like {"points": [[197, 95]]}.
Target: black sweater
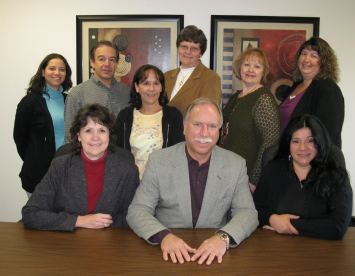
{"points": [[316, 219], [324, 100], [34, 138]]}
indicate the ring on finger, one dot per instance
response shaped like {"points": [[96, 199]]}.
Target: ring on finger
{"points": [[213, 253], [103, 225]]}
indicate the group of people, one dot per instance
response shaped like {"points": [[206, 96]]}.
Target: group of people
{"points": [[164, 155]]}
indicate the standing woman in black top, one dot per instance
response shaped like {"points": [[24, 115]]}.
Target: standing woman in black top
{"points": [[148, 124], [315, 91], [39, 121]]}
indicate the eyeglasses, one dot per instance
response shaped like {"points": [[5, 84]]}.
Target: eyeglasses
{"points": [[192, 48]]}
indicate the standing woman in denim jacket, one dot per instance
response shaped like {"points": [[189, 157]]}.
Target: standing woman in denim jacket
{"points": [[39, 121]]}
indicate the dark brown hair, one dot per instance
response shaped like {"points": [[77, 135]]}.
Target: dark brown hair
{"points": [[328, 60], [192, 34], [140, 76], [99, 114], [38, 82], [104, 43]]}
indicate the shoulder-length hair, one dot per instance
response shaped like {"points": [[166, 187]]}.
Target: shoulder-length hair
{"points": [[38, 82], [328, 60], [254, 54], [140, 76], [100, 115], [327, 174]]}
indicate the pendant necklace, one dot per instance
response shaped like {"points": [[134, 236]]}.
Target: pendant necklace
{"points": [[183, 78]]}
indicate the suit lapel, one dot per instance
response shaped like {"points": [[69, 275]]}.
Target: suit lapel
{"points": [[181, 181], [79, 191], [169, 85], [196, 74], [106, 198], [213, 187]]}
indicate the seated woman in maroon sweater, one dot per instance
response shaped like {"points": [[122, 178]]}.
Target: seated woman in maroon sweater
{"points": [[91, 187], [305, 190]]}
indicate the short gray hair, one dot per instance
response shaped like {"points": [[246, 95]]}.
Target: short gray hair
{"points": [[202, 101]]}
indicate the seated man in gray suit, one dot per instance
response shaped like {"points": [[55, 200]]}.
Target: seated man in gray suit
{"points": [[195, 184]]}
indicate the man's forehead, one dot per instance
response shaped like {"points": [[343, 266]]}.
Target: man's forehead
{"points": [[105, 51], [205, 109]]}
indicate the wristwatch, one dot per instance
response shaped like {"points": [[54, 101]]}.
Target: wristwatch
{"points": [[224, 237]]}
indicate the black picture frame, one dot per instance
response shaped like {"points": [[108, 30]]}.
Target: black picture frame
{"points": [[225, 47], [107, 25]]}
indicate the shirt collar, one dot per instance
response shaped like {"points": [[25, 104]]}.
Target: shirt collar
{"points": [[190, 160], [98, 82]]}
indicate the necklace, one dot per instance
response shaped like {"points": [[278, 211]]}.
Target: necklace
{"points": [[250, 91], [183, 78]]}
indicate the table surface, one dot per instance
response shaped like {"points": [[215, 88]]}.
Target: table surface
{"points": [[114, 250]]}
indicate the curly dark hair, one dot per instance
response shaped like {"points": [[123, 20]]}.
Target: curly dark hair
{"points": [[38, 83], [328, 60], [261, 57], [104, 43], [99, 114], [327, 173], [140, 76], [192, 34]]}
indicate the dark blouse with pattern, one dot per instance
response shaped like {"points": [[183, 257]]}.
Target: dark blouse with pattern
{"points": [[253, 123]]}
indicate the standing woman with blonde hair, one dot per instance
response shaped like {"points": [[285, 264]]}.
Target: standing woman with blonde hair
{"points": [[315, 91], [39, 121], [251, 121]]}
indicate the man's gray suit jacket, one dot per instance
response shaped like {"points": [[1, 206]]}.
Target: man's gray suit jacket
{"points": [[163, 198]]}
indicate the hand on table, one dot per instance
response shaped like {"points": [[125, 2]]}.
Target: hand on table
{"points": [[176, 248], [209, 249], [94, 221], [281, 224]]}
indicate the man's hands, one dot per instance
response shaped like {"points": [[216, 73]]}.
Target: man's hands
{"points": [[281, 224], [96, 221], [176, 248], [179, 250], [209, 249]]}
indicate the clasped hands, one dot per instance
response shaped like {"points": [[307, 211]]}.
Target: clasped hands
{"points": [[179, 250], [282, 224], [94, 221]]}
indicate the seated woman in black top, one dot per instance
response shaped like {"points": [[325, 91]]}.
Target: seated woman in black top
{"points": [[305, 189]]}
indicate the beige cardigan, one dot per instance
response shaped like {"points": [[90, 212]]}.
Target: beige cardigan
{"points": [[203, 82]]}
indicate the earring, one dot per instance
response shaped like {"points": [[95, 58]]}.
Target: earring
{"points": [[289, 157]]}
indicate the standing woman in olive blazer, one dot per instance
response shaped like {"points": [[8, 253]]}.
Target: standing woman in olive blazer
{"points": [[39, 121]]}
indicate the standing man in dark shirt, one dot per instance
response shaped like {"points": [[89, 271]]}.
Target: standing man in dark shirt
{"points": [[101, 88], [195, 184]]}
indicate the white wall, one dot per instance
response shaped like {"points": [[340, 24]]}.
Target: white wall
{"points": [[32, 29]]}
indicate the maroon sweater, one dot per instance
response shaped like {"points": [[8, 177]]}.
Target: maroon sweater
{"points": [[94, 171]]}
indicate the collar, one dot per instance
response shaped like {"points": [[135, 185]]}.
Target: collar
{"points": [[53, 94], [190, 160], [98, 82]]}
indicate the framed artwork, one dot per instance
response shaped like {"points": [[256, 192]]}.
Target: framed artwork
{"points": [[141, 39], [280, 37]]}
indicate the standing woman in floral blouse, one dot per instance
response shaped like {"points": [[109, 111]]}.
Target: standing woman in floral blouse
{"points": [[148, 124], [251, 121]]}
